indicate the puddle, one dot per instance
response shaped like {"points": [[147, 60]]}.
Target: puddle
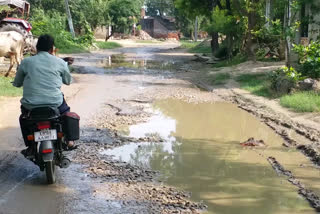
{"points": [[120, 61], [202, 155]]}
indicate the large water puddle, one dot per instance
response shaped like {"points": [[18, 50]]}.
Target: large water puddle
{"points": [[202, 155], [121, 61]]}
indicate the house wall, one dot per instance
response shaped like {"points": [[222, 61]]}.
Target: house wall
{"points": [[147, 26], [159, 30], [162, 32], [314, 28]]}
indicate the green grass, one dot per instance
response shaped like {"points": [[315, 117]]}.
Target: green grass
{"points": [[81, 49], [185, 44], [108, 45], [219, 79], [236, 60], [257, 84], [6, 88], [73, 49], [200, 49], [196, 47], [302, 102]]}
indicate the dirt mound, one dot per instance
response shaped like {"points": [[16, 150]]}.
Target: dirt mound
{"points": [[142, 35]]}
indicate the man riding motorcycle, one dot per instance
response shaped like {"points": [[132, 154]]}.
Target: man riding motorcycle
{"points": [[42, 76]]}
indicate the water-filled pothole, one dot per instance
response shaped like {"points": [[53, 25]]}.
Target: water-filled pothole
{"points": [[202, 155], [121, 61]]}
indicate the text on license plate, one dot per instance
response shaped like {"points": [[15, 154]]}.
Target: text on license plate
{"points": [[46, 134]]}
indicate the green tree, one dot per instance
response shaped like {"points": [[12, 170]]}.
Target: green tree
{"points": [[46, 5], [159, 7], [123, 14], [193, 8], [92, 12]]}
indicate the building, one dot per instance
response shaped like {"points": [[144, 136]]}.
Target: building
{"points": [[310, 29], [314, 26], [159, 27]]}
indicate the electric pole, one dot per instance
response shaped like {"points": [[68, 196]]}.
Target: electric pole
{"points": [[69, 18]]}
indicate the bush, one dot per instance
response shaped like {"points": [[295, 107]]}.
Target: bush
{"points": [[284, 79], [309, 59], [222, 52], [55, 24]]}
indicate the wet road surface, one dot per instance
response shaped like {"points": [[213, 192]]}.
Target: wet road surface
{"points": [[23, 188]]}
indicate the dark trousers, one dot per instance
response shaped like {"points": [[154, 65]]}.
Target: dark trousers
{"points": [[25, 126]]}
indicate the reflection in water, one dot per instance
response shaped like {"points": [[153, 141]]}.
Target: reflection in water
{"points": [[203, 156], [119, 60], [158, 124]]}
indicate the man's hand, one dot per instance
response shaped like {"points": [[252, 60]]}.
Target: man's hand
{"points": [[69, 60]]}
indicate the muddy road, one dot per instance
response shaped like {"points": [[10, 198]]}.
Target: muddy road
{"points": [[152, 141]]}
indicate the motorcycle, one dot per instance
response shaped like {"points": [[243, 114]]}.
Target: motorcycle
{"points": [[48, 133]]}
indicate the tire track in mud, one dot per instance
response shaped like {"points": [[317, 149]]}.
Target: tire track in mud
{"points": [[281, 128], [307, 194]]}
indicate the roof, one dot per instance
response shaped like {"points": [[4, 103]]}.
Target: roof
{"points": [[17, 3]]}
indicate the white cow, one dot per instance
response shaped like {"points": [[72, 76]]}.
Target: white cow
{"points": [[12, 45]]}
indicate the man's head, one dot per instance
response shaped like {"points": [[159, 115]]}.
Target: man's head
{"points": [[45, 43]]}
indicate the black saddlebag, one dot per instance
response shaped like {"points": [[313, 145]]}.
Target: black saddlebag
{"points": [[71, 127]]}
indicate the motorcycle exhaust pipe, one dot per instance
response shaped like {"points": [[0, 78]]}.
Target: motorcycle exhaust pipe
{"points": [[65, 163]]}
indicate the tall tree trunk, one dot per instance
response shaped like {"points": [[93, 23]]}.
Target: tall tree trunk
{"points": [[214, 42], [109, 34], [196, 30], [286, 25], [229, 37], [268, 13], [215, 35], [69, 18], [252, 21]]}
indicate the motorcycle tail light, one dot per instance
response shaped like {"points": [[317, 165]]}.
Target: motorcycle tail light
{"points": [[44, 125], [46, 151], [30, 137]]}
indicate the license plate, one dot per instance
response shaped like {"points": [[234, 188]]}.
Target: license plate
{"points": [[46, 134]]}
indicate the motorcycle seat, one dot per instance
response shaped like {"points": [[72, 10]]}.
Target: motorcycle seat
{"points": [[43, 113]]}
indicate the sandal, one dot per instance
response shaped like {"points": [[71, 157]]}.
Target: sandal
{"points": [[68, 147]]}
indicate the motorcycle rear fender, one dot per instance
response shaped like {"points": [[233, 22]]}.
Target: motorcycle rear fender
{"points": [[46, 145]]}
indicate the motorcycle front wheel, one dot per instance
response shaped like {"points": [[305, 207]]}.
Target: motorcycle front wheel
{"points": [[51, 172]]}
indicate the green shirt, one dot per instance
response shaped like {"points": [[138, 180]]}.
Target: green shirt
{"points": [[42, 76]]}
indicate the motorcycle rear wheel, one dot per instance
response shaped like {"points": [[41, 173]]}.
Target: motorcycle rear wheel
{"points": [[51, 172]]}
